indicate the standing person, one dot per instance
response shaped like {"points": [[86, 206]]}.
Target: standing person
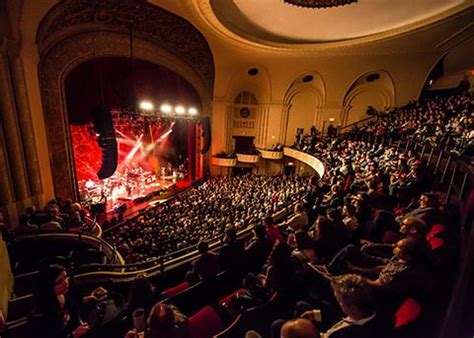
{"points": [[298, 221], [312, 198], [206, 266], [258, 251], [232, 253]]}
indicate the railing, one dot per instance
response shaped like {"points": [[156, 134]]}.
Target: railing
{"points": [[271, 154], [356, 124], [310, 160], [92, 273], [224, 162], [93, 241], [246, 158], [94, 226]]}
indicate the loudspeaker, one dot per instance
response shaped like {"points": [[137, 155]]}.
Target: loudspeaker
{"points": [[206, 134], [104, 126], [98, 208]]}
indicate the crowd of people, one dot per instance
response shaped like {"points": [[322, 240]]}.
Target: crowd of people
{"points": [[203, 212], [358, 243], [58, 215], [444, 121]]}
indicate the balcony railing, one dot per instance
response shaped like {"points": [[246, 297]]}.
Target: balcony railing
{"points": [[244, 158], [224, 162], [310, 160], [271, 155]]}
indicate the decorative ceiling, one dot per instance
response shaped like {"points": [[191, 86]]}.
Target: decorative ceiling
{"points": [[280, 22]]}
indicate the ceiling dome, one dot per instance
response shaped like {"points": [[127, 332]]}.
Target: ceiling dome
{"points": [[280, 22]]}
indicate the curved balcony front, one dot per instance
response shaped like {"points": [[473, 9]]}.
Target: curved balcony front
{"points": [[310, 160], [271, 155], [224, 162], [245, 158]]}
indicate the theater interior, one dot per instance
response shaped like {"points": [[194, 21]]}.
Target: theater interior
{"points": [[237, 168]]}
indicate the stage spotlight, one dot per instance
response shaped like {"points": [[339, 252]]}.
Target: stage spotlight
{"points": [[192, 111], [166, 108], [146, 105], [179, 110]]}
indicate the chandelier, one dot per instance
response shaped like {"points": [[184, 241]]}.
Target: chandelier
{"points": [[319, 3]]}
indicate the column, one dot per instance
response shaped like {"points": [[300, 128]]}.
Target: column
{"points": [[24, 121], [12, 134]]}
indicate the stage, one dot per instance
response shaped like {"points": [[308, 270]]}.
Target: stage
{"points": [[156, 157], [130, 208]]}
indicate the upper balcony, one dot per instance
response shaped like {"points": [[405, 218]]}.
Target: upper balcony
{"points": [[245, 158], [271, 155], [310, 160], [224, 162]]}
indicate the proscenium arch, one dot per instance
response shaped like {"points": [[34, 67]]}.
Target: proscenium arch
{"points": [[315, 88], [61, 55], [384, 87]]}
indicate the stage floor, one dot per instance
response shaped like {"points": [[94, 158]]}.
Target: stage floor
{"points": [[132, 209]]}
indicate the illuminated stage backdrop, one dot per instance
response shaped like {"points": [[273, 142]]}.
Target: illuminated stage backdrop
{"points": [[152, 155]]}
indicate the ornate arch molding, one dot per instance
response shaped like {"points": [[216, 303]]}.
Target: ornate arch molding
{"points": [[71, 34], [383, 87], [165, 29], [316, 88]]}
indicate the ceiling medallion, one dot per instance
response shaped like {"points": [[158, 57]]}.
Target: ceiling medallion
{"points": [[319, 3]]}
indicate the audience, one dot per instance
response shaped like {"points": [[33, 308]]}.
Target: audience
{"points": [[202, 213], [363, 226]]}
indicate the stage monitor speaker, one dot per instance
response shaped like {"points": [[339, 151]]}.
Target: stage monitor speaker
{"points": [[104, 126], [206, 134]]}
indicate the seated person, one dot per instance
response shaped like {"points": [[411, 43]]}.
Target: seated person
{"points": [[272, 231], [405, 273], [50, 224], [25, 227], [428, 210], [299, 328], [375, 254], [164, 321], [357, 301], [305, 248], [55, 310], [298, 221]]}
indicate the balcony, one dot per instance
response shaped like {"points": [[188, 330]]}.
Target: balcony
{"points": [[224, 162], [271, 155], [244, 158], [312, 161]]}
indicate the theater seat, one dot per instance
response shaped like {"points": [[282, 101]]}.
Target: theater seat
{"points": [[407, 313], [436, 243], [229, 305], [435, 230], [176, 289], [205, 323]]}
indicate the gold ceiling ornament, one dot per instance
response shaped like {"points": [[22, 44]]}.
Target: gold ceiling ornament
{"points": [[319, 3]]}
